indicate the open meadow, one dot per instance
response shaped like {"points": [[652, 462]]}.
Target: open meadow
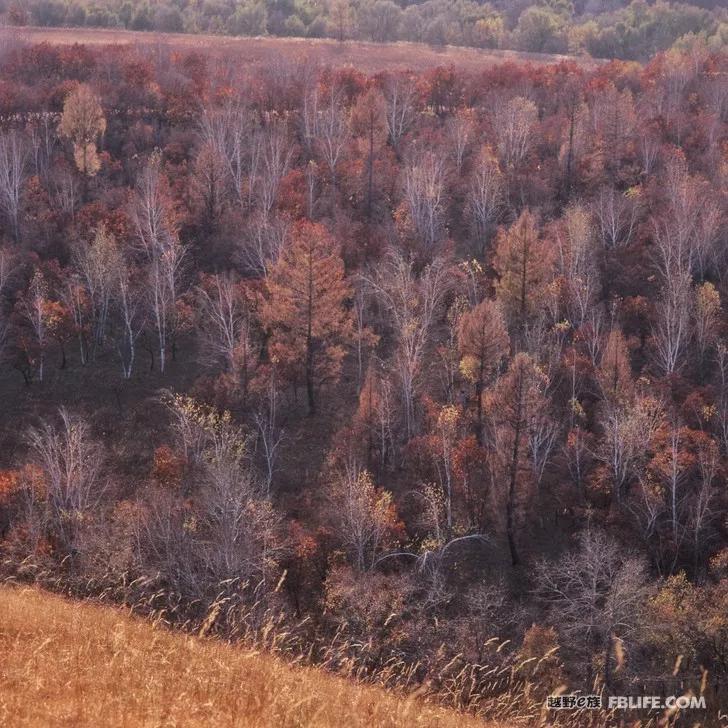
{"points": [[366, 57]]}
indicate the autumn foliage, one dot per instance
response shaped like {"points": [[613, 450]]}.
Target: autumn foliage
{"points": [[422, 376]]}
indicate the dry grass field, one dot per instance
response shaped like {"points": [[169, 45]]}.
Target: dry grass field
{"points": [[77, 664], [370, 57]]}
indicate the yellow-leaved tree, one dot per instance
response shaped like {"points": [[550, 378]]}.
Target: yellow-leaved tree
{"points": [[82, 123]]}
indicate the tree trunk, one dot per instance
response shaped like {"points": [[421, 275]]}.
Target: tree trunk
{"points": [[607, 660], [510, 506], [310, 390], [479, 405], [370, 167]]}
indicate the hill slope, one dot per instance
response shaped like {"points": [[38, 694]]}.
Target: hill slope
{"points": [[78, 664]]}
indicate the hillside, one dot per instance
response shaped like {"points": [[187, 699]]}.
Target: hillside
{"points": [[69, 664], [422, 373]]}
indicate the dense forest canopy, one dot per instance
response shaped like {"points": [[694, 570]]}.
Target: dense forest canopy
{"points": [[402, 362], [635, 29]]}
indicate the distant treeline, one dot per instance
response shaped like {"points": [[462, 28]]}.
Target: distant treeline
{"points": [[601, 28]]}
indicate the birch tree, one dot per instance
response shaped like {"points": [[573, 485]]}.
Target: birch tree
{"points": [[412, 303], [98, 264], [424, 180], [577, 262], [130, 307], [364, 514], [513, 123], [14, 158], [72, 466], [401, 97], [157, 237], [224, 327], [485, 199]]}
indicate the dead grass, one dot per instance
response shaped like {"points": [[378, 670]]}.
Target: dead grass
{"points": [[369, 57], [77, 664]]}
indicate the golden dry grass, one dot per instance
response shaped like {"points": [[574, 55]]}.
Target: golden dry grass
{"points": [[368, 57], [67, 663]]}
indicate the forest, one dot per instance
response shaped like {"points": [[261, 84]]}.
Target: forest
{"points": [[421, 377], [626, 29]]}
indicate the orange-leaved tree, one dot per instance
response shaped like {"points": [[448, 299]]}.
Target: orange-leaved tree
{"points": [[304, 308], [524, 264], [483, 342]]}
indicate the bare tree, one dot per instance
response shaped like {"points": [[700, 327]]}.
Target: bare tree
{"points": [[365, 339], [223, 321], [702, 511], [721, 357], [238, 534], [674, 473], [230, 539], [627, 428], [209, 184], [64, 191], [649, 148], [577, 262], [595, 594], [401, 97], [271, 152], [43, 139], [672, 332], [261, 246], [363, 513], [485, 200], [543, 436], [228, 133], [617, 215], [130, 306], [76, 300], [270, 435], [513, 123], [329, 127], [72, 466], [14, 157], [33, 307], [423, 192], [459, 129], [412, 303], [158, 239], [687, 230], [97, 264], [224, 326]]}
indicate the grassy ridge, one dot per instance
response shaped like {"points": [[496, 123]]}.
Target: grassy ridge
{"points": [[78, 664]]}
